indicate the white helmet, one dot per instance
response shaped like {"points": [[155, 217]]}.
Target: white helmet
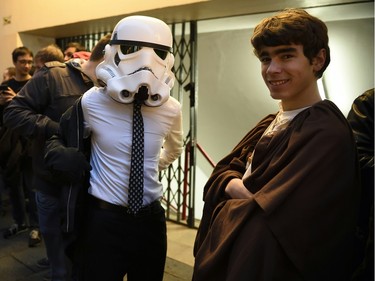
{"points": [[138, 55]]}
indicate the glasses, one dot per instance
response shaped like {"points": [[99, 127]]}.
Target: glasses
{"points": [[129, 49], [24, 62]]}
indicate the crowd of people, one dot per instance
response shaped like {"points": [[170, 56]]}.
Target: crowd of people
{"points": [[85, 134], [17, 150]]}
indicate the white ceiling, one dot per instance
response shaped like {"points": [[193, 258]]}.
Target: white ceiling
{"points": [[327, 14], [215, 15]]}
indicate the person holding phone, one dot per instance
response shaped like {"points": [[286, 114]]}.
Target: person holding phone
{"points": [[23, 61], [11, 153]]}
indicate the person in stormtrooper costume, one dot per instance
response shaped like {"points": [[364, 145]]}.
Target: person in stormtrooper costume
{"points": [[116, 242]]}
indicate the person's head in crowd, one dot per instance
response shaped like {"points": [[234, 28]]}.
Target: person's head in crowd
{"points": [[23, 61], [96, 57], [49, 53], [97, 53], [72, 48], [9, 73], [82, 55]]}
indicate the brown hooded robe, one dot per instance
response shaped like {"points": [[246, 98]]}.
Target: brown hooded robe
{"points": [[300, 223]]}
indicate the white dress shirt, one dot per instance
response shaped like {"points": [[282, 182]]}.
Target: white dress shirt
{"points": [[110, 125]]}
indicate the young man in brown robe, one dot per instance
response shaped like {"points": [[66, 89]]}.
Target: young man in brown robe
{"points": [[283, 204]]}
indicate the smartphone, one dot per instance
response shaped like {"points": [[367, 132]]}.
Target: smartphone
{"points": [[3, 88]]}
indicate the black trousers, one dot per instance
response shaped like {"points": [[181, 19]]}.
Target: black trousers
{"points": [[118, 244]]}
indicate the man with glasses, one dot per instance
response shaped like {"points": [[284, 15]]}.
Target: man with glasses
{"points": [[23, 61]]}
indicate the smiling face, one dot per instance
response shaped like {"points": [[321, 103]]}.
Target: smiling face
{"points": [[290, 76]]}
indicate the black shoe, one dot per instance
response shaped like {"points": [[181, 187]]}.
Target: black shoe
{"points": [[14, 230], [43, 263], [34, 237]]}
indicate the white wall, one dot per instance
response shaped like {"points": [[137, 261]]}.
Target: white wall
{"points": [[351, 71]]}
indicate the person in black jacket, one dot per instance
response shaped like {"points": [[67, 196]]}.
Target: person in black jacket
{"points": [[35, 113], [12, 146], [361, 119]]}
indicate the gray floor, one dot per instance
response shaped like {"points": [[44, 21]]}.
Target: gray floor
{"points": [[17, 260]]}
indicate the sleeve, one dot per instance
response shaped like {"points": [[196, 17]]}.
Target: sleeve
{"points": [[63, 152], [361, 119], [24, 114], [231, 166], [85, 117], [173, 143]]}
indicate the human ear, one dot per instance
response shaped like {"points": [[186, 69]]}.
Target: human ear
{"points": [[319, 60]]}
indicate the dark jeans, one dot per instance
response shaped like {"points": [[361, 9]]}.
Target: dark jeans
{"points": [[119, 244], [18, 181], [50, 227], [17, 198], [27, 179]]}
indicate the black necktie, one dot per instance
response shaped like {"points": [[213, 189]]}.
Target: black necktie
{"points": [[135, 197]]}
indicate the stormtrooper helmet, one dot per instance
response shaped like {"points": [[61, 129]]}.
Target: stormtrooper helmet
{"points": [[139, 56]]}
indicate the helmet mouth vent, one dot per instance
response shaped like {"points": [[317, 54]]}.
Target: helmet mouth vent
{"points": [[142, 94], [125, 93]]}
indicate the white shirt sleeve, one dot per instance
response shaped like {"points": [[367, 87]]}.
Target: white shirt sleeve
{"points": [[173, 144]]}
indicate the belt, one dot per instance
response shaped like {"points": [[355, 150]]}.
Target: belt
{"points": [[104, 205]]}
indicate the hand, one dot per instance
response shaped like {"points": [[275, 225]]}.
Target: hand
{"points": [[6, 96], [236, 190], [67, 163]]}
